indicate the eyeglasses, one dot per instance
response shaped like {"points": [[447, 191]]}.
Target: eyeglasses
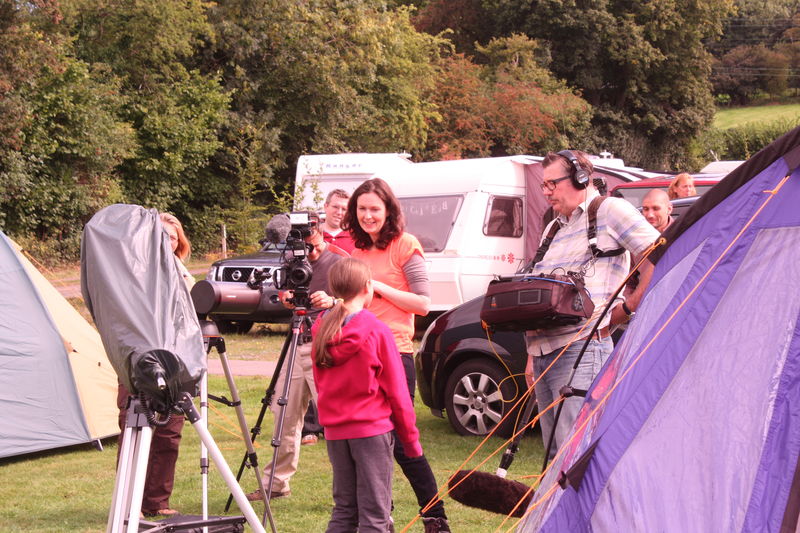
{"points": [[550, 185]]}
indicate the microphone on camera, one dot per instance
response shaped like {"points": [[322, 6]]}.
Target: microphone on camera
{"points": [[278, 228]]}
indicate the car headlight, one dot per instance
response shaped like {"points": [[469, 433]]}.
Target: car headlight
{"points": [[211, 274]]}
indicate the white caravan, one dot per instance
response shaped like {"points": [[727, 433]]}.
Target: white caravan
{"points": [[475, 218]]}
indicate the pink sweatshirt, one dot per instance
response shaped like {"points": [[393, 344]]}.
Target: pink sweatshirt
{"points": [[364, 393]]}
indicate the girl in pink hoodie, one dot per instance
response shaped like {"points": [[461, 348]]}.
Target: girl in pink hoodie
{"points": [[363, 396]]}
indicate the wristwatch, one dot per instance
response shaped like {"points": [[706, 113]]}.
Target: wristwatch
{"points": [[628, 311]]}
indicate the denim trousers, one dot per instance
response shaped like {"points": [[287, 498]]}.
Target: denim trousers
{"points": [[548, 388]]}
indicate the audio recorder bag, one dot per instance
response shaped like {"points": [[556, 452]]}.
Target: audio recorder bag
{"points": [[535, 301], [541, 301]]}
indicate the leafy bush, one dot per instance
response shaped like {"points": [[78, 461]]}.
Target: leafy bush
{"points": [[742, 142], [52, 252]]}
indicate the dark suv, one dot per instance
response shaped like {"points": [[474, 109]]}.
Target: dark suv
{"points": [[238, 270], [464, 371], [475, 376]]}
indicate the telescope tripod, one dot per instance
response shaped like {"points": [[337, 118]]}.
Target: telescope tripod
{"points": [[132, 468], [213, 339]]}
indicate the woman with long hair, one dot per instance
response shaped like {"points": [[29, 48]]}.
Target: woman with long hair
{"points": [[682, 186], [402, 290], [163, 457], [362, 398]]}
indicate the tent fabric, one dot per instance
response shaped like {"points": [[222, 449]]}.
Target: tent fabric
{"points": [[694, 422], [134, 290], [57, 387]]}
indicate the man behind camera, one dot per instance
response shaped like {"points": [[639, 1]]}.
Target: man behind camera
{"points": [[567, 186], [321, 257]]}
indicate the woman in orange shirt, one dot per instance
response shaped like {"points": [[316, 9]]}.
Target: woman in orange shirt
{"points": [[401, 290]]}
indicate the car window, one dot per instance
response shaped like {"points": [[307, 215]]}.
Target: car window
{"points": [[503, 217], [431, 218], [635, 195], [272, 247]]}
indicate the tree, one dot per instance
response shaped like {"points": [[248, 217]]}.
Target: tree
{"points": [[510, 105], [175, 110], [464, 23], [61, 137], [642, 65], [325, 75], [747, 70]]}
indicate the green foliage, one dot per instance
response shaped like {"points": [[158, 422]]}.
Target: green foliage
{"points": [[70, 142], [177, 133], [642, 65], [510, 105], [740, 143]]}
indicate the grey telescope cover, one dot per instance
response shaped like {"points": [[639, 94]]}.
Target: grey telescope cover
{"points": [[134, 290]]}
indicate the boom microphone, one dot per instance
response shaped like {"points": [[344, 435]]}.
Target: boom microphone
{"points": [[278, 228], [489, 492]]}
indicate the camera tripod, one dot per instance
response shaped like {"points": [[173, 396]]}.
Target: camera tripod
{"points": [[132, 468], [300, 328]]}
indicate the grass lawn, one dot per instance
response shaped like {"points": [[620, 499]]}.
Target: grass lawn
{"points": [[740, 116], [70, 489]]}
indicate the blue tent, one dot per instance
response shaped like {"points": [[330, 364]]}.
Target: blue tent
{"points": [[694, 422]]}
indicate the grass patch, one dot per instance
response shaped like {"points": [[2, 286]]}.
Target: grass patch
{"points": [[740, 116], [70, 489]]}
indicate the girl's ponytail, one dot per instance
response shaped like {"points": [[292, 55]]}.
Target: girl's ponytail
{"points": [[346, 278], [329, 328]]}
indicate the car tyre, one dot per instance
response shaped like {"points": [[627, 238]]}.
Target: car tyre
{"points": [[234, 326], [474, 398]]}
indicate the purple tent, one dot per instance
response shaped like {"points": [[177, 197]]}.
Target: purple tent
{"points": [[694, 422]]}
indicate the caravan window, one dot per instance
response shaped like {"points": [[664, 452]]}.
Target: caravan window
{"points": [[503, 217], [431, 218]]}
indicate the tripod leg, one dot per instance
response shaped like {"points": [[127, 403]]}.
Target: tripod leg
{"points": [[131, 472], [297, 322], [216, 455], [237, 404], [265, 402], [203, 450]]}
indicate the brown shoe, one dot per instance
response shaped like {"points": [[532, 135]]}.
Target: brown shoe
{"points": [[161, 512], [255, 496]]}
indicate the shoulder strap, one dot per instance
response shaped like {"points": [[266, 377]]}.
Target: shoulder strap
{"points": [[591, 231], [548, 240]]}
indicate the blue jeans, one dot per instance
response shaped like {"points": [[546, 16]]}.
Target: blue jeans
{"points": [[549, 387]]}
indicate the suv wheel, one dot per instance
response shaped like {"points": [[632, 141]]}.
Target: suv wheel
{"points": [[234, 326], [474, 398]]}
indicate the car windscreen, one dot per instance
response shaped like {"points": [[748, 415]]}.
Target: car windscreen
{"points": [[431, 218]]}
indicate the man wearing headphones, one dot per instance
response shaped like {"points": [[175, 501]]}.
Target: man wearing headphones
{"points": [[567, 186]]}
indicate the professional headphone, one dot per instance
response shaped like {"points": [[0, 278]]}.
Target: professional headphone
{"points": [[580, 177]]}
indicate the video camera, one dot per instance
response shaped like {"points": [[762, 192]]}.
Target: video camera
{"points": [[295, 272], [288, 232]]}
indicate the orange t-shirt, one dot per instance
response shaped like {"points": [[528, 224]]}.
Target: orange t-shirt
{"points": [[387, 267]]}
